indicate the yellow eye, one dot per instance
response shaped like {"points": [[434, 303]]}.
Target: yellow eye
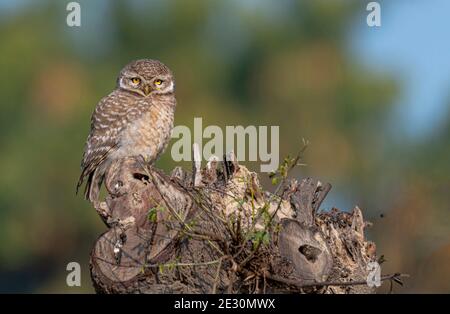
{"points": [[158, 82], [135, 80]]}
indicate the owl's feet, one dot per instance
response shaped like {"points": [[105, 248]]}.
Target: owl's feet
{"points": [[144, 161]]}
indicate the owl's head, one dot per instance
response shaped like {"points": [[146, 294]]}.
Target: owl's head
{"points": [[146, 77]]}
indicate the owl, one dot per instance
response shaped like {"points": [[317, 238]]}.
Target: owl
{"points": [[136, 119]]}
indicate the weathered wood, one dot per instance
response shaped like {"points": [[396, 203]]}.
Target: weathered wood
{"points": [[218, 232], [306, 249], [196, 165]]}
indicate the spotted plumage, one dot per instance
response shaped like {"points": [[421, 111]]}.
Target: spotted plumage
{"points": [[136, 119]]}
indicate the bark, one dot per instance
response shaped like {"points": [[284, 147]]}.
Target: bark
{"points": [[217, 231]]}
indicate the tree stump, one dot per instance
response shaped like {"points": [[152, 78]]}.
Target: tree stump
{"points": [[216, 231]]}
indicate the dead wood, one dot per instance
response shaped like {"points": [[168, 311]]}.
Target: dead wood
{"points": [[217, 231]]}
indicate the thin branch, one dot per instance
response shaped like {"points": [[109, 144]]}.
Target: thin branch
{"points": [[392, 277], [278, 189], [217, 277]]}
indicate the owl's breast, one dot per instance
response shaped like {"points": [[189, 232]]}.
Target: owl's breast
{"points": [[147, 135]]}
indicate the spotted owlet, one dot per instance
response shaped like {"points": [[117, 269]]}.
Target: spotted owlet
{"points": [[136, 119]]}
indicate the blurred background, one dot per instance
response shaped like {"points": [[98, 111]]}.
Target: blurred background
{"points": [[373, 102]]}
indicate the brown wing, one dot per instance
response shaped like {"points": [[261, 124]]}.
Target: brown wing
{"points": [[108, 120]]}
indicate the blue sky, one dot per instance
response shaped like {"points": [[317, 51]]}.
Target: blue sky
{"points": [[412, 45]]}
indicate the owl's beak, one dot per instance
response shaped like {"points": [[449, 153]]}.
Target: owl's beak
{"points": [[147, 90]]}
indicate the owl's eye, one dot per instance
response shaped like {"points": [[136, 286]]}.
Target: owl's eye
{"points": [[158, 82], [135, 80]]}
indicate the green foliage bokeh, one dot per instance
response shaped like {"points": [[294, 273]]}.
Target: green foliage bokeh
{"points": [[235, 64]]}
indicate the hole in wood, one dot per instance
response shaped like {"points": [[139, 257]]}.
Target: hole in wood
{"points": [[310, 252], [141, 177]]}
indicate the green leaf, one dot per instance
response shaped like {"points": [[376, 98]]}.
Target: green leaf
{"points": [[152, 214]]}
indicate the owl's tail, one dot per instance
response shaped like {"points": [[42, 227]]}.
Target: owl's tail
{"points": [[93, 184]]}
